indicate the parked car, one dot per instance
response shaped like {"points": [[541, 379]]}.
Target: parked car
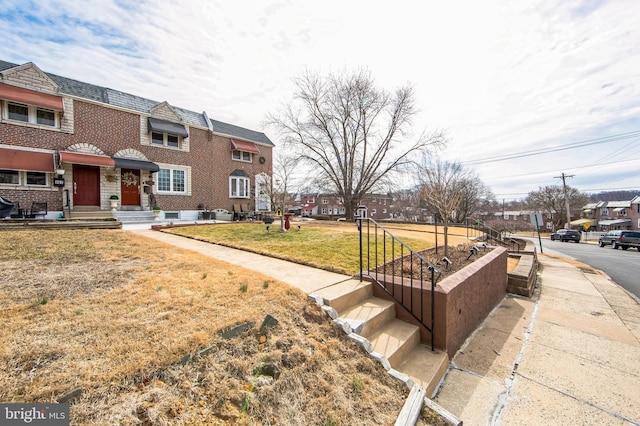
{"points": [[620, 238], [566, 235]]}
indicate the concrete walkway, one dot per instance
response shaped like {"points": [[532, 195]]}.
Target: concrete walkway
{"points": [[568, 355], [305, 278]]}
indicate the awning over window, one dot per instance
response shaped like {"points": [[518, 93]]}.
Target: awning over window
{"points": [[126, 163], [18, 159], [616, 222], [30, 97], [580, 221], [244, 146], [240, 173], [86, 159], [619, 209], [164, 126]]}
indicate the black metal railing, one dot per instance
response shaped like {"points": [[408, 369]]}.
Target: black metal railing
{"points": [[400, 271], [478, 229]]}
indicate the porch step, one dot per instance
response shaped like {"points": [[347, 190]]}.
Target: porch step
{"points": [[136, 216], [93, 214], [368, 316], [346, 294], [395, 340]]}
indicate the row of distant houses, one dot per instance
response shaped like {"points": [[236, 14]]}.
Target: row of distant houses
{"points": [[75, 147], [332, 206], [600, 216]]}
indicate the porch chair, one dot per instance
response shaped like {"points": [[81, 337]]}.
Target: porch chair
{"points": [[38, 209], [238, 214]]}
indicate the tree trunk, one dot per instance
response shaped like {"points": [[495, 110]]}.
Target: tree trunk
{"points": [[446, 238]]}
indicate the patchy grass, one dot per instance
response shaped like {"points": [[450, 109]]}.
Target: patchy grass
{"points": [[329, 245], [114, 313]]}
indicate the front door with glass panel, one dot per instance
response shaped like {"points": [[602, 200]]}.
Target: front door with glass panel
{"points": [[130, 187]]}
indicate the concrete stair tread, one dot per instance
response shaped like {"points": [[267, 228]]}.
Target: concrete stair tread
{"points": [[425, 367], [394, 340], [369, 315], [346, 294]]}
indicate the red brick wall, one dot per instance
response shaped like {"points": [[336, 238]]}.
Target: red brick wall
{"points": [[113, 130], [463, 300]]}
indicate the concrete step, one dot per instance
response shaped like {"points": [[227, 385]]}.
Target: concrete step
{"points": [[425, 367], [369, 316], [346, 294], [138, 216], [95, 214], [395, 340]]}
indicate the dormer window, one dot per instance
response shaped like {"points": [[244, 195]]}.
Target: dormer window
{"points": [[30, 114], [30, 107], [165, 139], [166, 133]]}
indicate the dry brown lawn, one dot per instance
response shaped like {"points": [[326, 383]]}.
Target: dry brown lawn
{"points": [[113, 313]]}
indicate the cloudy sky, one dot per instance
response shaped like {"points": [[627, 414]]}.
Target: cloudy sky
{"points": [[525, 90]]}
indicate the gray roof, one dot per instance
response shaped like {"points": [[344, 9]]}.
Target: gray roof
{"points": [[136, 103]]}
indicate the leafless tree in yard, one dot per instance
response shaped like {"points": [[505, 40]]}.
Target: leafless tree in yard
{"points": [[442, 188], [353, 135]]}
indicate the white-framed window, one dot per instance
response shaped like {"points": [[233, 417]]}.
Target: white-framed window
{"points": [[16, 178], [622, 212], [239, 187], [247, 157], [324, 210], [325, 201], [604, 211], [172, 181], [30, 114], [37, 179], [342, 210], [9, 177], [166, 139]]}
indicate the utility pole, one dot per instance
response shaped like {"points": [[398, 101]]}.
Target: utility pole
{"points": [[566, 199]]}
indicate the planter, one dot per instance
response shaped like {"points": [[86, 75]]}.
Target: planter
{"points": [[156, 213], [114, 204]]}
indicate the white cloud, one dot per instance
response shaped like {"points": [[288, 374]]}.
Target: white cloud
{"points": [[501, 76]]}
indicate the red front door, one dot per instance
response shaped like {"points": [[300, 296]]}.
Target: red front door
{"points": [[130, 187], [86, 185]]}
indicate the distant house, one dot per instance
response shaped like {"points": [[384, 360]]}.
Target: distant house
{"points": [[331, 205], [74, 145], [608, 215]]}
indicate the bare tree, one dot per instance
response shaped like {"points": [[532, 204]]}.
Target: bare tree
{"points": [[442, 189], [550, 200], [353, 135], [475, 196]]}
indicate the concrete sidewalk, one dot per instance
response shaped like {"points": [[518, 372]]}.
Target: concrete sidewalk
{"points": [[568, 355], [305, 278]]}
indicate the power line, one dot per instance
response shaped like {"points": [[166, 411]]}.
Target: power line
{"points": [[573, 145], [555, 171]]}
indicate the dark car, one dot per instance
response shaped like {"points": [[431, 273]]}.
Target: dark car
{"points": [[620, 238], [566, 235]]}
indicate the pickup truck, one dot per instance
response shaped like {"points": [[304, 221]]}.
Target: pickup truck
{"points": [[621, 239]]}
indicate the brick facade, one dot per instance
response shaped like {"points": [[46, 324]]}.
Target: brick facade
{"points": [[92, 127]]}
